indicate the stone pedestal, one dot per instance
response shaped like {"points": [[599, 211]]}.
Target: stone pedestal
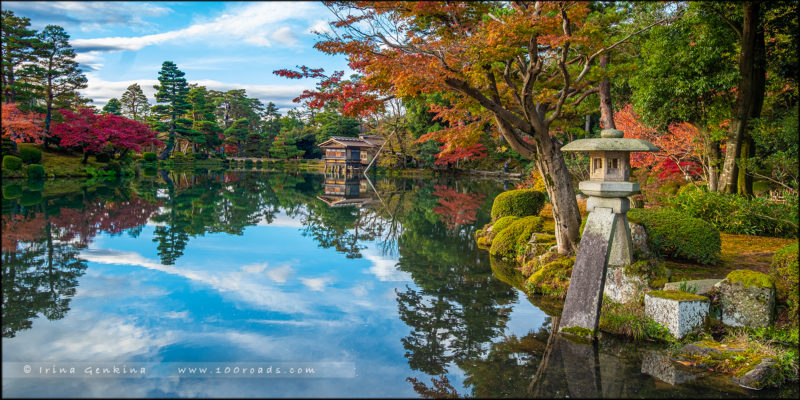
{"points": [[680, 312]]}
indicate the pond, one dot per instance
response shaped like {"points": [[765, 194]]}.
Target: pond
{"points": [[276, 284]]}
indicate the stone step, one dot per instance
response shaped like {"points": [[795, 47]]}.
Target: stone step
{"points": [[702, 286]]}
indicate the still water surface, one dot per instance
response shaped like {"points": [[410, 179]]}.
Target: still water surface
{"points": [[370, 289]]}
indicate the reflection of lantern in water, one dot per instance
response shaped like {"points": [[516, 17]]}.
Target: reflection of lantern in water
{"points": [[606, 237]]}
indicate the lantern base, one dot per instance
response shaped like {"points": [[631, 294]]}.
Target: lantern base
{"points": [[609, 188]]}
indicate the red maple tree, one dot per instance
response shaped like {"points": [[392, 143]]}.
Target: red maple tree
{"points": [[92, 132]]}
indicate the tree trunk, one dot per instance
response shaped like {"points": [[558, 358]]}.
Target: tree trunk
{"points": [[711, 157], [606, 110], [550, 161], [749, 95]]}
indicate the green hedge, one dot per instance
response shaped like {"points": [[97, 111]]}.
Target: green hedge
{"points": [[503, 223], [513, 238], [35, 171], [784, 271], [12, 163], [30, 155], [520, 203], [149, 156], [676, 235], [739, 214]]}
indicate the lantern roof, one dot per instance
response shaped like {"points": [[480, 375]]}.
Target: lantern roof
{"points": [[610, 140]]}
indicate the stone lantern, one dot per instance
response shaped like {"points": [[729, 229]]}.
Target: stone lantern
{"points": [[606, 236]]}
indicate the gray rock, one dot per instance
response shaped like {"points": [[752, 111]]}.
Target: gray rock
{"points": [[702, 286], [754, 379], [622, 287], [749, 306], [639, 238], [660, 366], [680, 317]]}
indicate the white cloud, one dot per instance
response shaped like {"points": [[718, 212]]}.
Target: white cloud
{"points": [[101, 90], [320, 26], [87, 16], [284, 35], [254, 268], [252, 23]]}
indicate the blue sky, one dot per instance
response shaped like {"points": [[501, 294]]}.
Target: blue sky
{"points": [[221, 45]]}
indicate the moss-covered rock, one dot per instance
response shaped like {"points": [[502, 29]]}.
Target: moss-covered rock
{"points": [[520, 203], [552, 279], [511, 241], [677, 295], [677, 235], [784, 272], [746, 298]]}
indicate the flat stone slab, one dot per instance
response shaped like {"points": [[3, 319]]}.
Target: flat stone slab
{"points": [[702, 286], [680, 312], [754, 379]]}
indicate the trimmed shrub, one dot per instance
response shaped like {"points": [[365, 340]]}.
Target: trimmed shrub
{"points": [[12, 191], [114, 167], [520, 203], [35, 171], [12, 163], [512, 239], [30, 198], [149, 156], [248, 163], [30, 155], [149, 172], [102, 157], [677, 235], [35, 185], [739, 214], [503, 223], [784, 271]]}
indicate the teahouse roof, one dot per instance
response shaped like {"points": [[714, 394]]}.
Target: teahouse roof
{"points": [[348, 142]]}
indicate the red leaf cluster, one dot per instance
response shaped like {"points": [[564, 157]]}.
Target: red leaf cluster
{"points": [[94, 132]]}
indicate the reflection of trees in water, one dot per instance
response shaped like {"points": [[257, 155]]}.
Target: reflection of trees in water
{"points": [[41, 243]]}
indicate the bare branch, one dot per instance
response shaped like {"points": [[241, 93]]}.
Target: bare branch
{"points": [[585, 95]]}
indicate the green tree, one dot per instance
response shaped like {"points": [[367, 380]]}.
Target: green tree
{"points": [[237, 133], [134, 103], [283, 147], [19, 44], [113, 107], [206, 130], [172, 92], [60, 75]]}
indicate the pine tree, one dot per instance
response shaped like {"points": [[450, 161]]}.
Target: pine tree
{"points": [[18, 47], [204, 124], [237, 134], [173, 91], [283, 147], [58, 72], [134, 103], [113, 107]]}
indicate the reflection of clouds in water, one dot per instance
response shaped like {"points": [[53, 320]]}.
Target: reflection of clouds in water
{"points": [[87, 339], [316, 284], [384, 268], [280, 274], [281, 219], [241, 284]]}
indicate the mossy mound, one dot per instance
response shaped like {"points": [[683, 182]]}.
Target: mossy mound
{"points": [[784, 272], [12, 191], [29, 154], [503, 223], [520, 203], [552, 279], [749, 278], [511, 241], [12, 163], [674, 234]]}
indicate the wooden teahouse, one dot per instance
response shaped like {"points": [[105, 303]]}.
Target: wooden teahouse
{"points": [[348, 154]]}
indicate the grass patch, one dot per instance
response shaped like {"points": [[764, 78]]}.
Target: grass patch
{"points": [[630, 320]]}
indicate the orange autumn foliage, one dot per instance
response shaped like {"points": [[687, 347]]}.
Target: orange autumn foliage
{"points": [[22, 127]]}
